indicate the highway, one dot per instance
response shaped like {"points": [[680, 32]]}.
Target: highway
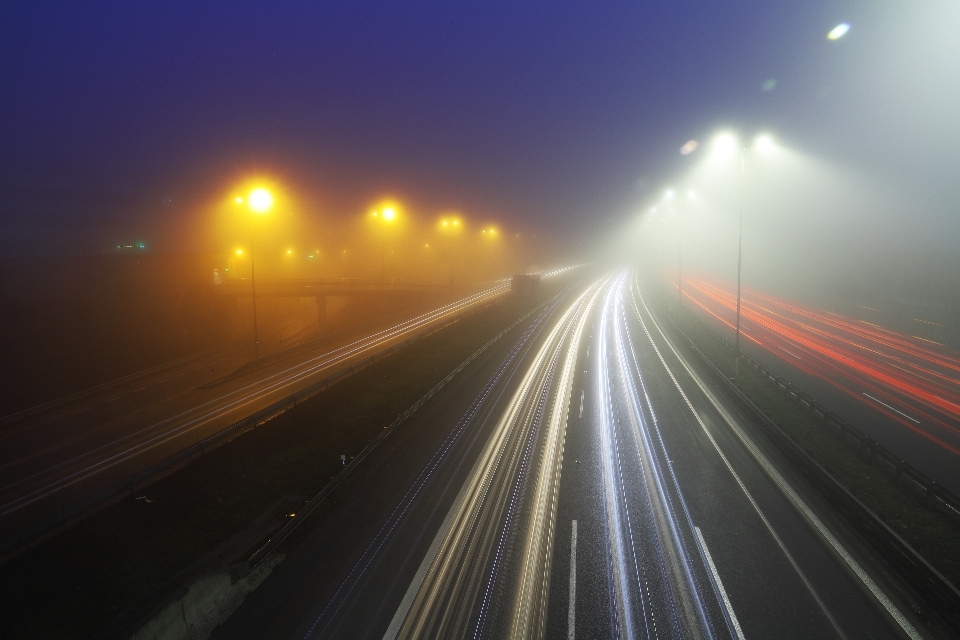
{"points": [[902, 390], [65, 452], [581, 479]]}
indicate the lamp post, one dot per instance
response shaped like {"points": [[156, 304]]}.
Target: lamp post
{"points": [[387, 215], [680, 257], [743, 153], [449, 228], [260, 201], [764, 143]]}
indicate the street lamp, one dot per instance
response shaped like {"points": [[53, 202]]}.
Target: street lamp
{"points": [[386, 215], [724, 145], [449, 228], [259, 201]]}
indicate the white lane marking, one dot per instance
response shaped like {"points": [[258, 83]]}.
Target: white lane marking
{"points": [[763, 518], [306, 369], [891, 408], [790, 353], [425, 564], [716, 579], [571, 610], [787, 489], [581, 403], [471, 494]]}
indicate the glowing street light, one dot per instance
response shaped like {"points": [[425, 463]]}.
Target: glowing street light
{"points": [[259, 201], [386, 215], [724, 145], [450, 227], [764, 143]]}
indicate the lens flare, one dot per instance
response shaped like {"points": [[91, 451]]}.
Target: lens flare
{"points": [[838, 31], [689, 147]]}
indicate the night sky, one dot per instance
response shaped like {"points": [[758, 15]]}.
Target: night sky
{"points": [[125, 119]]}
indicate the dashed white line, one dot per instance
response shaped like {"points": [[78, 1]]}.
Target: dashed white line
{"points": [[891, 408], [572, 608]]}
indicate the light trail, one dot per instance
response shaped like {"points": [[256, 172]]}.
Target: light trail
{"points": [[772, 472], [652, 542], [492, 389], [519, 465], [903, 375], [174, 426]]}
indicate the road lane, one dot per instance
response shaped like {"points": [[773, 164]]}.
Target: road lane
{"points": [[77, 456], [350, 575], [681, 531], [753, 519], [900, 389]]}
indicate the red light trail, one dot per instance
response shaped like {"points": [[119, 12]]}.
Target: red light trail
{"points": [[902, 376]]}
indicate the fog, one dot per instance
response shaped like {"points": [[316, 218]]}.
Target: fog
{"points": [[848, 188]]}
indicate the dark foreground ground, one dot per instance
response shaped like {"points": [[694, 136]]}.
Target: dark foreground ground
{"points": [[103, 574]]}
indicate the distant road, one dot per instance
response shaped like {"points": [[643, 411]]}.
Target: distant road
{"points": [[902, 390], [580, 480], [62, 453]]}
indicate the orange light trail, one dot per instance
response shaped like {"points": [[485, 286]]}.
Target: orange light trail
{"points": [[902, 376]]}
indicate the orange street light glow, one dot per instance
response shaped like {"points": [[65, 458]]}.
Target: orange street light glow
{"points": [[261, 200]]}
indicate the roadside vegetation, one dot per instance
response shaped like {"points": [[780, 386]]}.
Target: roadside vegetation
{"points": [[931, 528], [107, 571]]}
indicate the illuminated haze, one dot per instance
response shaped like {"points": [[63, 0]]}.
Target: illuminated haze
{"points": [[127, 123]]}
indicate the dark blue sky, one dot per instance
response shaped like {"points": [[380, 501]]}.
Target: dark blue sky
{"points": [[122, 118]]}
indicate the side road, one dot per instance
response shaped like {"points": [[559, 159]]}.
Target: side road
{"points": [[105, 574]]}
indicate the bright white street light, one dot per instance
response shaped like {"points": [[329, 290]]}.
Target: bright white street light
{"points": [[725, 144], [838, 31], [764, 143], [669, 193]]}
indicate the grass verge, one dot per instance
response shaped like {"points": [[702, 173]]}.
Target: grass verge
{"points": [[122, 558], [931, 529]]}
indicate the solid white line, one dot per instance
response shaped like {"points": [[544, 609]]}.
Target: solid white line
{"points": [[891, 408], [723, 592], [784, 486], [571, 611], [763, 518], [581, 404], [394, 628]]}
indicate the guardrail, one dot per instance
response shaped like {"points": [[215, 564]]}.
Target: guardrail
{"points": [[870, 449], [938, 591], [302, 514], [22, 541]]}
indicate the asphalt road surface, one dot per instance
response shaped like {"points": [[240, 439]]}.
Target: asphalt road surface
{"points": [[582, 479], [902, 390], [67, 452]]}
